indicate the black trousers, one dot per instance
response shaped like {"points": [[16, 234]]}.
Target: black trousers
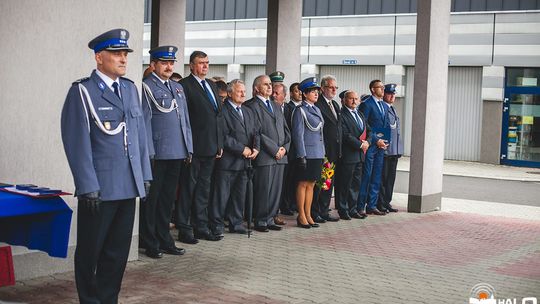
{"points": [[321, 200], [103, 242], [348, 179], [156, 210], [228, 200], [388, 180], [288, 195], [267, 184], [192, 211]]}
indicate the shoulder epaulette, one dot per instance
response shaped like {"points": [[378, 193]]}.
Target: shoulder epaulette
{"points": [[124, 78], [80, 80]]}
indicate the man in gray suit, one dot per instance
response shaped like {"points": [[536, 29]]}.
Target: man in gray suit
{"points": [[240, 146], [170, 144], [110, 166], [275, 141], [393, 152]]}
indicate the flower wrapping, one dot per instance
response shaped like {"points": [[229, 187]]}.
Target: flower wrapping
{"points": [[325, 181]]}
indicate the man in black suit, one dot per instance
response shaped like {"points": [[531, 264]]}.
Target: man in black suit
{"points": [[332, 145], [206, 124], [288, 203], [356, 136], [241, 145], [275, 141]]}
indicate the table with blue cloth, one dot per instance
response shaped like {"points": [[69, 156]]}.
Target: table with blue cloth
{"points": [[36, 223]]}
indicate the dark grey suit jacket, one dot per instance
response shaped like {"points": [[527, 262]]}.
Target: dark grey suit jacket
{"points": [[274, 132], [238, 133]]}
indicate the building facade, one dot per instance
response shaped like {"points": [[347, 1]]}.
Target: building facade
{"points": [[493, 112]]}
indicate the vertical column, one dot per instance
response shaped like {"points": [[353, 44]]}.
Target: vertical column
{"points": [[169, 26], [284, 28], [429, 109], [492, 99]]}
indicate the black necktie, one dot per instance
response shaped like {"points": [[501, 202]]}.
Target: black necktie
{"points": [[168, 85], [358, 120], [212, 100], [116, 90], [240, 112], [269, 106]]}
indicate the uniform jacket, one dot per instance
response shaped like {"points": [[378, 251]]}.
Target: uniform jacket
{"points": [[351, 150], [332, 128], [307, 143], [98, 161], [206, 123], [396, 142], [373, 116], [169, 134], [238, 133], [274, 132]]}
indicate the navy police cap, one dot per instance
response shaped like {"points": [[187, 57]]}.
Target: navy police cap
{"points": [[308, 83], [163, 53], [113, 40], [342, 94], [390, 88]]}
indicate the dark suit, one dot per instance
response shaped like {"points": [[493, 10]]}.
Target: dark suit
{"points": [[268, 177], [231, 175], [170, 142], [391, 157], [349, 171], [332, 146], [288, 201], [206, 124], [116, 166], [372, 172]]}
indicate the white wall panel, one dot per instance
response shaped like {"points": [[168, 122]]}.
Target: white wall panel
{"points": [[463, 115], [355, 78]]}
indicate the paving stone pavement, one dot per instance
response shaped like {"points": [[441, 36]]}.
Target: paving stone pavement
{"points": [[398, 258]]}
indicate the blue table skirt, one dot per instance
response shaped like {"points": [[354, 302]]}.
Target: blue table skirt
{"points": [[36, 223]]}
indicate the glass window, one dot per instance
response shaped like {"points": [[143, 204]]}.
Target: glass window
{"points": [[523, 77], [524, 127]]}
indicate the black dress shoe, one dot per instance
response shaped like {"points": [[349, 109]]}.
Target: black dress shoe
{"points": [[306, 226], [261, 228], [153, 253], [359, 215], [391, 209], [274, 227], [314, 225], [287, 212], [345, 216], [188, 240], [239, 230], [330, 218], [375, 212], [208, 236], [173, 250], [319, 219]]}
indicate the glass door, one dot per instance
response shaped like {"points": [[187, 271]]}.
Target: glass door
{"points": [[521, 118]]}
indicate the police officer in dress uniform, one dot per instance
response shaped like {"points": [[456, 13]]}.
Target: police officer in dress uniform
{"points": [[104, 138], [393, 153], [170, 145]]}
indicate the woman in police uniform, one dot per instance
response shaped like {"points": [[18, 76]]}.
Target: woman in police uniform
{"points": [[307, 137]]}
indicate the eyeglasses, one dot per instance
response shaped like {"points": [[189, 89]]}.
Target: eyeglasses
{"points": [[332, 88], [378, 87]]}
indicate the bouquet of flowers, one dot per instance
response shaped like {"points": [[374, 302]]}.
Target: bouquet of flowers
{"points": [[327, 172]]}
